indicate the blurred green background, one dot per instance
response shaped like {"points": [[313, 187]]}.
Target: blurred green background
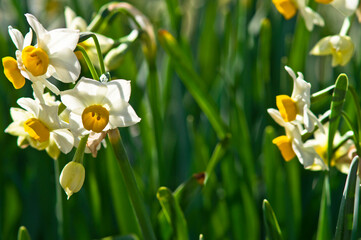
{"points": [[237, 51]]}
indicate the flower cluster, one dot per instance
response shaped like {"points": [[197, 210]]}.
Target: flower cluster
{"points": [[294, 114], [57, 120], [339, 46]]}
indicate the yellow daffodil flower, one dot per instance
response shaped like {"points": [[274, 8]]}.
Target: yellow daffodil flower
{"points": [[340, 47]]}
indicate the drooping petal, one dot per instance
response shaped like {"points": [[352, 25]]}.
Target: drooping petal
{"points": [[322, 47], [311, 18], [276, 116]]}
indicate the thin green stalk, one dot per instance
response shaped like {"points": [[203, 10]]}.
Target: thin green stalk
{"points": [[355, 135], [327, 92], [88, 62], [59, 211], [131, 184], [79, 154], [99, 51]]}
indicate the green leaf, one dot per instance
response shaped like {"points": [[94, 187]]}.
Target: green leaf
{"points": [[345, 216], [323, 229], [192, 81], [338, 99], [173, 213], [273, 230], [23, 234], [186, 191], [127, 237]]}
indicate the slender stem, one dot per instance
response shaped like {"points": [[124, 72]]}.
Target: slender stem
{"points": [[100, 56], [131, 184], [355, 136], [327, 92], [59, 201], [345, 27], [79, 154], [88, 62]]}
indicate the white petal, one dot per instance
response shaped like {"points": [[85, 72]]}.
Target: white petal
{"points": [[28, 39], [290, 72], [66, 65], [16, 129], [19, 115], [307, 121], [69, 16], [118, 90], [36, 25], [346, 7], [64, 140], [275, 114], [322, 47], [16, 37], [311, 18], [62, 38], [124, 118], [29, 105]]}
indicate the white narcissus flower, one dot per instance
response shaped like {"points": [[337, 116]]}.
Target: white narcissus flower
{"points": [[97, 106], [39, 126], [297, 107], [288, 8], [340, 47], [346, 7], [291, 144], [52, 56], [340, 158]]}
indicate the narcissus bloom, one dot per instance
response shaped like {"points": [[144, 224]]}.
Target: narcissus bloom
{"points": [[291, 144], [39, 126], [99, 106], [72, 178], [340, 47], [297, 106], [288, 8], [52, 56]]}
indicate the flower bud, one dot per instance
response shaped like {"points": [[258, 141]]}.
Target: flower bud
{"points": [[72, 178]]}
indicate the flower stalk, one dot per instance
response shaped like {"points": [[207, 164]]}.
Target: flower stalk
{"points": [[131, 184]]}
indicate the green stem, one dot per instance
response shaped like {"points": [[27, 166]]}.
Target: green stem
{"points": [[99, 51], [79, 154], [131, 184], [59, 201], [327, 92], [88, 62]]}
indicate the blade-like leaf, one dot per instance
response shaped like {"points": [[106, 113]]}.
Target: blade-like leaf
{"points": [[192, 81], [23, 234], [345, 215], [338, 99], [273, 230], [323, 229], [173, 213], [186, 191]]}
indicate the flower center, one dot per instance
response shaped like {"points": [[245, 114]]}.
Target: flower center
{"points": [[95, 118], [12, 72], [287, 107], [35, 60], [286, 7], [284, 144], [36, 129]]}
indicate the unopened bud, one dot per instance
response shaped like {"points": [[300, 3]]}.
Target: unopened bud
{"points": [[72, 178]]}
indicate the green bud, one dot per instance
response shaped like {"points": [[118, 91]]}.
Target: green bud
{"points": [[72, 177]]}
